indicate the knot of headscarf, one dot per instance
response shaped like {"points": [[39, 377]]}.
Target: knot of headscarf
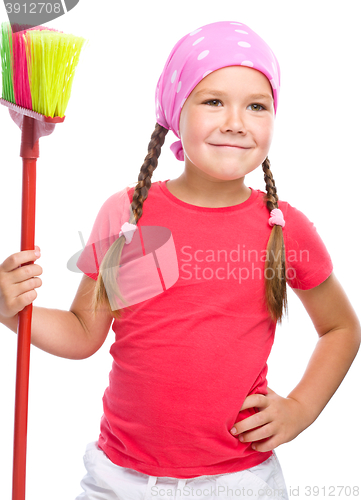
{"points": [[201, 52]]}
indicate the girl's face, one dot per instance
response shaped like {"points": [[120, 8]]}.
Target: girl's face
{"points": [[226, 129]]}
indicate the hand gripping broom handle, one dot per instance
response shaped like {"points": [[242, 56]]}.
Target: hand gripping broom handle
{"points": [[29, 152]]}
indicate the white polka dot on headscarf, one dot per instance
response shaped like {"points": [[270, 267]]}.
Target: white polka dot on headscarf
{"points": [[196, 55]]}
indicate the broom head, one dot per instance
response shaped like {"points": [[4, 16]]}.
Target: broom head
{"points": [[38, 67]]}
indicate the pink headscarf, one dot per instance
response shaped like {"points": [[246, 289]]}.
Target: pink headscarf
{"points": [[201, 52]]}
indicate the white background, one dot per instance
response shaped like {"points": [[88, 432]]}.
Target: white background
{"points": [[99, 149]]}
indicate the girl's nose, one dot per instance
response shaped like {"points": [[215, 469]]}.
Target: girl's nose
{"points": [[234, 121]]}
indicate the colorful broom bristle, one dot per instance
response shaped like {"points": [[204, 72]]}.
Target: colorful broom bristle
{"points": [[20, 72], [38, 67], [6, 49]]}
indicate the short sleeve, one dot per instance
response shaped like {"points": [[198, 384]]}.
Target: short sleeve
{"points": [[112, 215], [308, 262]]}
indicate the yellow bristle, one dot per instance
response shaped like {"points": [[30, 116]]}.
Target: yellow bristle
{"points": [[52, 58]]}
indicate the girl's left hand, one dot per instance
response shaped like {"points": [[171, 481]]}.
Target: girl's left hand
{"points": [[279, 420]]}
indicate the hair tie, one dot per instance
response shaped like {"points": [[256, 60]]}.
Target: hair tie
{"points": [[276, 218], [177, 150], [127, 231]]}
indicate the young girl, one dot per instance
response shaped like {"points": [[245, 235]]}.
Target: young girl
{"points": [[191, 273]]}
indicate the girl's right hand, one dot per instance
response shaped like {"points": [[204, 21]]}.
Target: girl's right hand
{"points": [[17, 284]]}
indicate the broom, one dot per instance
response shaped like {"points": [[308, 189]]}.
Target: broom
{"points": [[38, 67]]}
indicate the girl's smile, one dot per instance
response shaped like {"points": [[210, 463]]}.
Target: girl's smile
{"points": [[229, 146]]}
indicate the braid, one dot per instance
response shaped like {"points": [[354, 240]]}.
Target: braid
{"points": [[146, 171], [271, 198], [275, 267], [109, 267]]}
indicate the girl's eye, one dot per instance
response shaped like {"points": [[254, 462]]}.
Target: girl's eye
{"points": [[259, 105], [213, 100]]}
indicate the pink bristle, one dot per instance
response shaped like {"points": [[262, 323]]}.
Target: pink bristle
{"points": [[22, 92]]}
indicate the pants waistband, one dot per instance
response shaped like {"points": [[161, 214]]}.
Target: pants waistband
{"points": [[152, 481]]}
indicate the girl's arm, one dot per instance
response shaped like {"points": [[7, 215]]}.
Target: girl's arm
{"points": [[281, 419], [339, 333], [73, 334]]}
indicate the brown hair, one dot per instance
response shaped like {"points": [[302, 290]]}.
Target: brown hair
{"points": [[275, 266]]}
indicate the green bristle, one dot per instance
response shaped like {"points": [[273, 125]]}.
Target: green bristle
{"points": [[6, 50]]}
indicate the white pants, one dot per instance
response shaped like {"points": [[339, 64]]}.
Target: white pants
{"points": [[107, 481]]}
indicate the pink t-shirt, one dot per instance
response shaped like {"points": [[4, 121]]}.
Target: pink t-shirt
{"points": [[195, 339]]}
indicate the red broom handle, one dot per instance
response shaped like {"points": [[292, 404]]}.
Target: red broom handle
{"points": [[29, 153]]}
